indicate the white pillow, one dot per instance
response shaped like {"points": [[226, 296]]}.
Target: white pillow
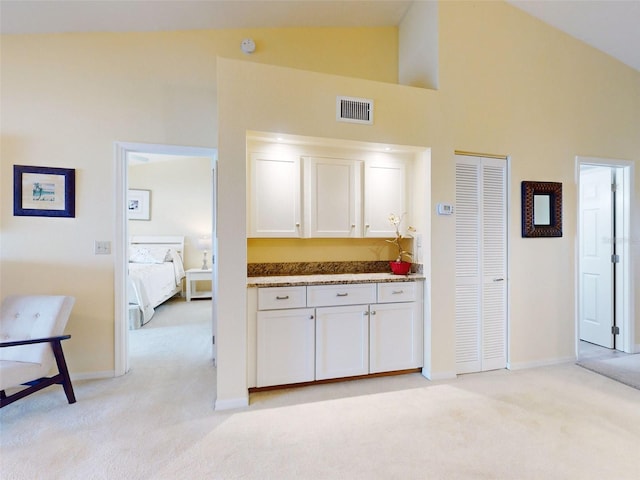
{"points": [[149, 254]]}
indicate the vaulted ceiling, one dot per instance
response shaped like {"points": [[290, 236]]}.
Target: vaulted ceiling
{"points": [[609, 25]]}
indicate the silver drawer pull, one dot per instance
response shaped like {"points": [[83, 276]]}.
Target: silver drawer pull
{"points": [[498, 279], [341, 294], [397, 292], [286, 297]]}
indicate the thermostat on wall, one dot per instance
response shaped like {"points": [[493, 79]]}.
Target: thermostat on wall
{"points": [[445, 209]]}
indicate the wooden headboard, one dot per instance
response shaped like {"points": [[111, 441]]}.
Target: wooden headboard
{"points": [[170, 241]]}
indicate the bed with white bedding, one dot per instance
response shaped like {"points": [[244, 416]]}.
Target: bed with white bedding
{"points": [[155, 273]]}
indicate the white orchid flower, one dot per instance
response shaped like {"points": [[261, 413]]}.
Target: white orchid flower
{"points": [[396, 220]]}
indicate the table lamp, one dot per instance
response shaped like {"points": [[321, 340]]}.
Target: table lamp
{"points": [[204, 244]]}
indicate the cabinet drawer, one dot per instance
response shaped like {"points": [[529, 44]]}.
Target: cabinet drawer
{"points": [[274, 298], [329, 295], [396, 292]]}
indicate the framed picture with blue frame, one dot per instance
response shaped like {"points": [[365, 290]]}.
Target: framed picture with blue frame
{"points": [[44, 191]]}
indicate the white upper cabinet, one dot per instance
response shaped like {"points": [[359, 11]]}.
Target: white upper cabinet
{"points": [[385, 192], [275, 202], [298, 195], [333, 205]]}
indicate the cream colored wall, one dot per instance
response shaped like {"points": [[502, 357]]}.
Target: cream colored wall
{"points": [[181, 192], [509, 85], [270, 250], [512, 85], [250, 100], [67, 98], [418, 45]]}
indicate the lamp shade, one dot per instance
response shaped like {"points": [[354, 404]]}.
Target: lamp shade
{"points": [[204, 243]]}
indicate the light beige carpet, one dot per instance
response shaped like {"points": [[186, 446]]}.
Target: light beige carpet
{"points": [[553, 423], [561, 422], [624, 368]]}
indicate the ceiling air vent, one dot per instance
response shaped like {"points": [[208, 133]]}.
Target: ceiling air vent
{"points": [[354, 110]]}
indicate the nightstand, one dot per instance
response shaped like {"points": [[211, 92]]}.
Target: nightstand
{"points": [[195, 275]]}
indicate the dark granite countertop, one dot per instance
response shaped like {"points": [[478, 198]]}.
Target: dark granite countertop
{"points": [[330, 279]]}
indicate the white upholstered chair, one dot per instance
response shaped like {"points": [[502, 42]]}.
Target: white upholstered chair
{"points": [[31, 332]]}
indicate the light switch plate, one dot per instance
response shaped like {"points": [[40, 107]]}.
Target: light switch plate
{"points": [[102, 247]]}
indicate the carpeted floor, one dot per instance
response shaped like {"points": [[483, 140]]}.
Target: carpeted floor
{"points": [[624, 369], [157, 422]]}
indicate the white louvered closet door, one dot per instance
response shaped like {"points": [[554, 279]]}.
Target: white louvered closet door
{"points": [[481, 264]]}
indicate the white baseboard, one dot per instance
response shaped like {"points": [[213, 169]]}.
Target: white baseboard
{"points": [[540, 363], [231, 403], [92, 375], [438, 375]]}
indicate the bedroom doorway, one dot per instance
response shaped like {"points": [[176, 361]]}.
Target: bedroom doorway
{"points": [[181, 201], [605, 307]]}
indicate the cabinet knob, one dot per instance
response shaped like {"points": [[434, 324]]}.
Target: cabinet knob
{"points": [[297, 224], [285, 297], [310, 317], [367, 226], [353, 225], [341, 294], [373, 312]]}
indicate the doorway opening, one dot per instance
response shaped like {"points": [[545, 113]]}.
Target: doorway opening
{"points": [[191, 228], [604, 321]]}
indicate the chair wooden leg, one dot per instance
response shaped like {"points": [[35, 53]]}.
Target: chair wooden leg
{"points": [[64, 372]]}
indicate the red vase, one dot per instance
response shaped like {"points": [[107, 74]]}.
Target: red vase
{"points": [[400, 268]]}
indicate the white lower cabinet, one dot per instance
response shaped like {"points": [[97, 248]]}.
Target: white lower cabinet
{"points": [[319, 342], [395, 337], [286, 347], [342, 341]]}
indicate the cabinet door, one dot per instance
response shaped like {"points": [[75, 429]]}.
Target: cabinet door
{"points": [[275, 200], [385, 192], [286, 347], [342, 341], [395, 336], [333, 197]]}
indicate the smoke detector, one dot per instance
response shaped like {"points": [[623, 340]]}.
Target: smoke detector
{"points": [[248, 45]]}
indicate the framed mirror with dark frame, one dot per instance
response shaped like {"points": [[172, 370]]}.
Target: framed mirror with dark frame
{"points": [[541, 209]]}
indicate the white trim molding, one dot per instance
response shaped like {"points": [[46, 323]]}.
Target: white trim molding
{"points": [[541, 363], [625, 282], [439, 375], [231, 403], [93, 375], [121, 152]]}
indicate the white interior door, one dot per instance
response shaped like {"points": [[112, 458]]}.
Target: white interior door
{"points": [[596, 249], [481, 264]]}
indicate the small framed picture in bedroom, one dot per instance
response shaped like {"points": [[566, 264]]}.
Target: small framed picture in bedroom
{"points": [[44, 191], [139, 204]]}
